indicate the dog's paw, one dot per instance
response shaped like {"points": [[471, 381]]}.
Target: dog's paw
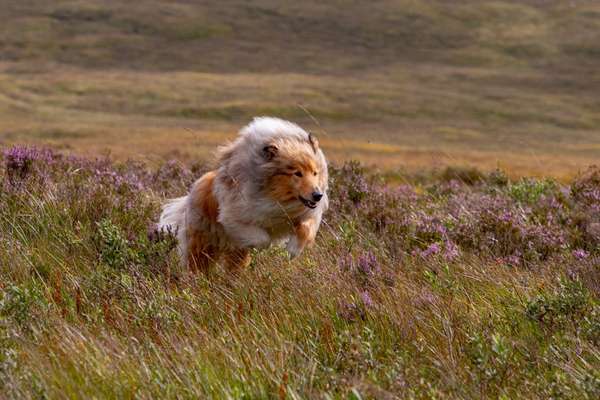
{"points": [[294, 247]]}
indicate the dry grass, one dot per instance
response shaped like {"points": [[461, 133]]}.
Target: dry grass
{"points": [[93, 306]]}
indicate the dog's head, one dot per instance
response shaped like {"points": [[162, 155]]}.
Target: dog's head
{"points": [[296, 172]]}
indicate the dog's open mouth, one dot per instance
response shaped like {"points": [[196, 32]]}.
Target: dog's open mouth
{"points": [[307, 203]]}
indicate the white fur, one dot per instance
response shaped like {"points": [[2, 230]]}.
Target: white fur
{"points": [[265, 129], [173, 219]]}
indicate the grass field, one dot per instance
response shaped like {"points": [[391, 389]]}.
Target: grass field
{"points": [[462, 285], [460, 259], [398, 84]]}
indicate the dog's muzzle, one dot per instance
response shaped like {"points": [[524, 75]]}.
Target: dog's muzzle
{"points": [[308, 203]]}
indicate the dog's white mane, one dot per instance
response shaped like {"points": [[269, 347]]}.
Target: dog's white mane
{"points": [[263, 129]]}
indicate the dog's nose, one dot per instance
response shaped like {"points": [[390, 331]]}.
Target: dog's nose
{"points": [[317, 196]]}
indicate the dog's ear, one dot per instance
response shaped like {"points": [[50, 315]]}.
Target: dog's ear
{"points": [[269, 152], [313, 142]]}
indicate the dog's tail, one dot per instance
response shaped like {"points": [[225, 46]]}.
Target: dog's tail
{"points": [[173, 219]]}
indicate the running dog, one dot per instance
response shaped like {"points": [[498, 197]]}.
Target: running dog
{"points": [[269, 187]]}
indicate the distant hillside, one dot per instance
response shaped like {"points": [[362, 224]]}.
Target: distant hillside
{"points": [[397, 83], [308, 36]]}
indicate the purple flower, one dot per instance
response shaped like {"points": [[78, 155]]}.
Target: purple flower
{"points": [[449, 187], [362, 269], [20, 162], [580, 254], [432, 249], [366, 299], [367, 263], [350, 312], [451, 250], [513, 260]]}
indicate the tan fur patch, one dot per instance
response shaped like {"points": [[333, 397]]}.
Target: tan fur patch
{"points": [[206, 200], [237, 259], [302, 232], [281, 188]]}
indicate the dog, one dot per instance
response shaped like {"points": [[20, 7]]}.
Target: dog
{"points": [[269, 187]]}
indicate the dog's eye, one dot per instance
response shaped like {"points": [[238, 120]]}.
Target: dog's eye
{"points": [[315, 174], [298, 174]]}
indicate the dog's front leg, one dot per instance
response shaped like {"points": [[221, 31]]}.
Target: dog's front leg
{"points": [[248, 235], [304, 234]]}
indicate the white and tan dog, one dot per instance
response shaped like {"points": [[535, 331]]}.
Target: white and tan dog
{"points": [[270, 187]]}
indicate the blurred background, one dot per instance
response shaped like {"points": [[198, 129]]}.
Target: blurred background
{"points": [[401, 84]]}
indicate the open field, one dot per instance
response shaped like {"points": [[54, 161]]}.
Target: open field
{"points": [[469, 288], [426, 281], [399, 84]]}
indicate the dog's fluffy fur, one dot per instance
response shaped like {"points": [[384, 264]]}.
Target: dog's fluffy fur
{"points": [[261, 193]]}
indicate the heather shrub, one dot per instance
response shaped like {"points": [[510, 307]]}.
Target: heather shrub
{"points": [[467, 175], [585, 218], [585, 189], [520, 223], [363, 269], [497, 178], [351, 186], [510, 230], [21, 163], [155, 248], [172, 178]]}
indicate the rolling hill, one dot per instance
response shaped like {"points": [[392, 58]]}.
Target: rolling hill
{"points": [[399, 84]]}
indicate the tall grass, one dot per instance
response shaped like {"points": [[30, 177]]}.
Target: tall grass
{"points": [[441, 288]]}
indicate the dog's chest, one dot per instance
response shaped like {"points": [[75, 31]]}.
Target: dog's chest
{"points": [[280, 224], [280, 228]]}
